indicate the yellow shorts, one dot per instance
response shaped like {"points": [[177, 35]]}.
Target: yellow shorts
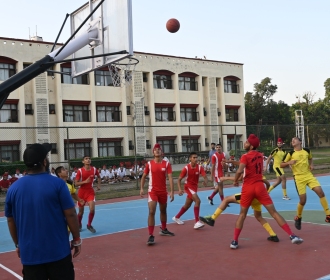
{"points": [[278, 171], [306, 180], [256, 205]]}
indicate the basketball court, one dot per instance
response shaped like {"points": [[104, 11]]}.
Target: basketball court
{"points": [[118, 250]]}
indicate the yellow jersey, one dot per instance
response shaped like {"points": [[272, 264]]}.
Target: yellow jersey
{"points": [[302, 157], [71, 188], [278, 156]]}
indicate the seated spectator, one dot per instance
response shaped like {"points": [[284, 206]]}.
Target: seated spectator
{"points": [[52, 172], [111, 175], [74, 173], [104, 174], [4, 182], [121, 175], [133, 172], [18, 174]]}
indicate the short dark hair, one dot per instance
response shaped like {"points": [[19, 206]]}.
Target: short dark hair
{"points": [[212, 143], [192, 153], [58, 170]]}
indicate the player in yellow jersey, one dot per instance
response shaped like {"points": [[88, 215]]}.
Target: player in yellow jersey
{"points": [[301, 161], [278, 155]]}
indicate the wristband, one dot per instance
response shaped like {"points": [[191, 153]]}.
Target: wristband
{"points": [[76, 239], [76, 245]]}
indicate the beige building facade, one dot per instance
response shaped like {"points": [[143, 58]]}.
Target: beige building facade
{"points": [[184, 104]]}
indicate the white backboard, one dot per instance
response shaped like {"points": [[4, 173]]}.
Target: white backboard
{"points": [[117, 33]]}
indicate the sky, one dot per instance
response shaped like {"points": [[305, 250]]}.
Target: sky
{"points": [[286, 40]]}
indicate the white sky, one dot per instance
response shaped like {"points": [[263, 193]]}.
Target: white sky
{"points": [[286, 40]]}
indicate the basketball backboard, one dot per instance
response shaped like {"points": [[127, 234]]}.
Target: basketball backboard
{"points": [[115, 31]]}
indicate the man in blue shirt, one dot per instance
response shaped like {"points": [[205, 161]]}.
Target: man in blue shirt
{"points": [[39, 208]]}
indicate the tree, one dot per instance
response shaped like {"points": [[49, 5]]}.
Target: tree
{"points": [[327, 89]]}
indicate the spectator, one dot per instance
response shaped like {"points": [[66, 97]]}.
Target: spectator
{"points": [[52, 172], [74, 173], [18, 174], [5, 183]]}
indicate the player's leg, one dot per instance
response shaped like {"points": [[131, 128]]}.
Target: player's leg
{"points": [[239, 226], [220, 186], [323, 200], [81, 208], [301, 189], [210, 220], [285, 195], [152, 204], [197, 201], [266, 183], [216, 190], [183, 210], [277, 182], [91, 204], [163, 220]]}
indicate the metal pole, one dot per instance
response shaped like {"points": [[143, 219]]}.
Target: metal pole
{"points": [[68, 144], [134, 135], [189, 140]]}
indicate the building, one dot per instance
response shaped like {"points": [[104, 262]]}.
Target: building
{"points": [[182, 103]]}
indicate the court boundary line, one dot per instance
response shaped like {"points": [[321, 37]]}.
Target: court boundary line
{"points": [[11, 272]]}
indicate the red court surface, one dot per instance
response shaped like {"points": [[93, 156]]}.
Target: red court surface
{"points": [[200, 254]]}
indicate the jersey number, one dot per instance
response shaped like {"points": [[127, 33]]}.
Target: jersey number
{"points": [[258, 168]]}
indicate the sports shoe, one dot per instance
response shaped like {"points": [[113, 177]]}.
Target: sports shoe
{"points": [[91, 229], [207, 220], [327, 219], [286, 197], [273, 238], [296, 240], [234, 244], [166, 232], [210, 200], [177, 220], [198, 225], [151, 240], [297, 222]]}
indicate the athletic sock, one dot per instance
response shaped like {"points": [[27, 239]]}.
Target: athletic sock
{"points": [[222, 197], [213, 194], [270, 188], [196, 213], [300, 209], [237, 232], [90, 219], [163, 225], [151, 230], [79, 219], [181, 212], [287, 229], [284, 192], [268, 228], [216, 213], [325, 205]]}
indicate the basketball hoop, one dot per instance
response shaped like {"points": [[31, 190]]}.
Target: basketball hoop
{"points": [[121, 72]]}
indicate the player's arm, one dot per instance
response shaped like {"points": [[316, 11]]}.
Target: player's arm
{"points": [[205, 180], [13, 233], [76, 198], [267, 162], [98, 186], [239, 173], [142, 183], [286, 162], [73, 224], [311, 165], [212, 171], [78, 183], [170, 179], [179, 185]]}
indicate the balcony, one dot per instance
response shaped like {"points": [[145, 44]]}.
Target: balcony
{"points": [[165, 117], [77, 116]]}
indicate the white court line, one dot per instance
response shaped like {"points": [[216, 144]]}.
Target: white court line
{"points": [[11, 272]]}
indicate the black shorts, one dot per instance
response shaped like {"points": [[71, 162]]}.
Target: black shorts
{"points": [[58, 270]]}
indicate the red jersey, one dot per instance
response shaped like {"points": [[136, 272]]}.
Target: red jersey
{"points": [[5, 184], [217, 162], [83, 174], [157, 174], [192, 174], [253, 161]]}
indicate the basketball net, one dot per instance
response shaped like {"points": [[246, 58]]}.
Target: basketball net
{"points": [[121, 72]]}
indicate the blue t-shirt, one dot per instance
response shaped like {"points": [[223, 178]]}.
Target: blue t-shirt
{"points": [[211, 153], [36, 202]]}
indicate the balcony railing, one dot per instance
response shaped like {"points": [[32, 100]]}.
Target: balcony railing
{"points": [[115, 116], [77, 116], [232, 88], [163, 84], [188, 85], [165, 117], [190, 117]]}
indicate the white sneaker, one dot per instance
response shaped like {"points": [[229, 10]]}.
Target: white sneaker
{"points": [[177, 220], [286, 197], [198, 225]]}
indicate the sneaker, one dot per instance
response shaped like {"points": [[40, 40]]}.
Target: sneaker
{"points": [[91, 229], [296, 240], [273, 238], [286, 197], [327, 219], [210, 200], [198, 225], [234, 244], [207, 220], [151, 240], [165, 232], [177, 220], [297, 222]]}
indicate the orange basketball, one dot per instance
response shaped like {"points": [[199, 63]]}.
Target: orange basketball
{"points": [[172, 25]]}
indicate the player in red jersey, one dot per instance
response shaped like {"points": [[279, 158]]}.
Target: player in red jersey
{"points": [[217, 172], [251, 164], [192, 171], [157, 192], [84, 179]]}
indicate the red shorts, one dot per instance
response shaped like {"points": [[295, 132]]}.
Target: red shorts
{"points": [[87, 195], [217, 179], [190, 190], [258, 191], [160, 197]]}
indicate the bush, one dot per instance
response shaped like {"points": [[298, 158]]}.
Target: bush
{"points": [[11, 167]]}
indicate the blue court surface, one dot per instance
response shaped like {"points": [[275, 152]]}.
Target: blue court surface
{"points": [[130, 215]]}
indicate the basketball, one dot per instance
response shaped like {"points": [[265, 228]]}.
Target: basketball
{"points": [[172, 25]]}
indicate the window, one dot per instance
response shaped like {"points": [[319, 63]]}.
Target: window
{"points": [[67, 79], [190, 145], [28, 109], [77, 150], [9, 152], [187, 83], [9, 113], [165, 114], [168, 146], [103, 78], [6, 71], [52, 109], [54, 148], [189, 115], [76, 113], [108, 114], [107, 149], [163, 81], [231, 142], [231, 115], [231, 86]]}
